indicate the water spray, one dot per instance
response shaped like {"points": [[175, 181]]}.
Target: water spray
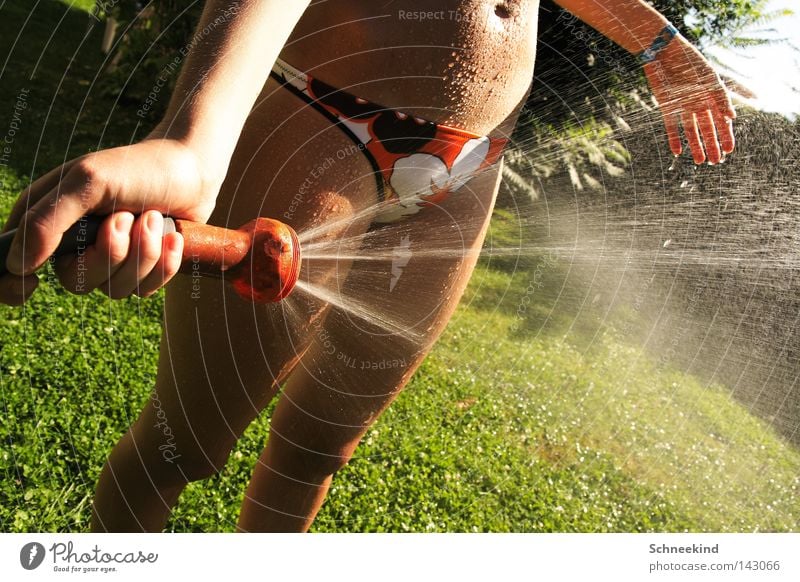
{"points": [[261, 259]]}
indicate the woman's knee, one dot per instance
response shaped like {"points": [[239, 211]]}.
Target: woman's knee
{"points": [[311, 456], [198, 467]]}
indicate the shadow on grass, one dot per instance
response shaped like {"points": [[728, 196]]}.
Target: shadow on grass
{"points": [[52, 52]]}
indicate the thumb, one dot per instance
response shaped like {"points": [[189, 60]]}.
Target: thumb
{"points": [[35, 192], [41, 229], [15, 290]]}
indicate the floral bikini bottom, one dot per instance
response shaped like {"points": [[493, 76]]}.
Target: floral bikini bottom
{"points": [[416, 163]]}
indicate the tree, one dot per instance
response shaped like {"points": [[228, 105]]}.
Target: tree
{"points": [[152, 37]]}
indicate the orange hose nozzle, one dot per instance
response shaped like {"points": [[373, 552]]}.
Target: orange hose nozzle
{"points": [[261, 259]]}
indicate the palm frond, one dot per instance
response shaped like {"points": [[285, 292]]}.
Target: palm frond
{"points": [[518, 184]]}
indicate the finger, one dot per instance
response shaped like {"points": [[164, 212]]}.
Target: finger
{"points": [[672, 125], [86, 271], [167, 266], [659, 84], [671, 117], [145, 251], [42, 226], [724, 104], [33, 193], [17, 290], [706, 124], [693, 137], [724, 130]]}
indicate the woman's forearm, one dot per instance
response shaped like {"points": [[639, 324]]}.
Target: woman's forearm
{"points": [[228, 61], [688, 89], [632, 24]]}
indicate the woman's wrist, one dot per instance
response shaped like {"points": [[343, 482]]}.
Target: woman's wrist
{"points": [[677, 51], [211, 154], [632, 24], [221, 78], [660, 42]]}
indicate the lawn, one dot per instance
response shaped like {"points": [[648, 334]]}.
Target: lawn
{"points": [[534, 419]]}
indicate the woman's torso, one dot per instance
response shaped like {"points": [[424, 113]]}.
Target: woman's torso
{"points": [[464, 63]]}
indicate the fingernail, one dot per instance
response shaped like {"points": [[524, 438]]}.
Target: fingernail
{"points": [[123, 223], [174, 241], [155, 222], [20, 257]]}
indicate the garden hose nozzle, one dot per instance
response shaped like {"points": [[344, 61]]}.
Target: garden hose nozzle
{"points": [[261, 259]]}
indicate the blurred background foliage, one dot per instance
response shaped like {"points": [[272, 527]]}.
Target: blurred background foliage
{"points": [[587, 91]]}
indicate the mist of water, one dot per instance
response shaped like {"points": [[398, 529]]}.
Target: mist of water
{"points": [[708, 256]]}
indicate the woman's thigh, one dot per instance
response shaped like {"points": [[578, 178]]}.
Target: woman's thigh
{"points": [[393, 305]]}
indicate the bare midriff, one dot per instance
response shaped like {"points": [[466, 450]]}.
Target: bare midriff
{"points": [[462, 63]]}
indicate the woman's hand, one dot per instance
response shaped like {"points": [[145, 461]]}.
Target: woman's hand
{"points": [[133, 185], [691, 94]]}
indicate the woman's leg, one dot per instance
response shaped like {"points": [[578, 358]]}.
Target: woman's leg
{"points": [[210, 385], [222, 358], [354, 368]]}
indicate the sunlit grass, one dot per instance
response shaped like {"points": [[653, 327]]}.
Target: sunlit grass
{"points": [[520, 420]]}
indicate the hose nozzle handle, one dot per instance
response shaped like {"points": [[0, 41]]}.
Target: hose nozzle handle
{"points": [[260, 259], [79, 236]]}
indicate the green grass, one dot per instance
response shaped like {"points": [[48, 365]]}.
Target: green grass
{"points": [[542, 420]]}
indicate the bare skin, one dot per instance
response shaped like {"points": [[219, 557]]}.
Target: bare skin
{"points": [[222, 360], [325, 406]]}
